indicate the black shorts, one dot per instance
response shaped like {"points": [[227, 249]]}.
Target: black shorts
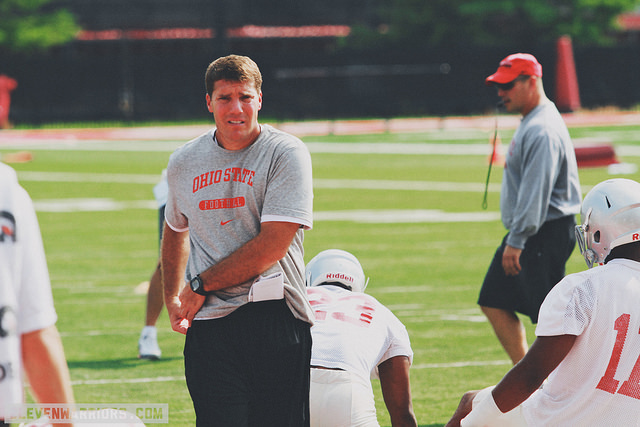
{"points": [[543, 263], [250, 368]]}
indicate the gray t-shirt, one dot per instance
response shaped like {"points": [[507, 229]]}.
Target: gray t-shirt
{"points": [[221, 197]]}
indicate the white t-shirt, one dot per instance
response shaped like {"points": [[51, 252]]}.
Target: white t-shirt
{"points": [[26, 303], [354, 332], [598, 383]]}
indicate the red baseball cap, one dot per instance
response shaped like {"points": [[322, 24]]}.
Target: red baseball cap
{"points": [[518, 64]]}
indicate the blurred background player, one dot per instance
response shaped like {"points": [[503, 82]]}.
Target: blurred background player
{"points": [[29, 338], [539, 198], [355, 339], [148, 347], [588, 336]]}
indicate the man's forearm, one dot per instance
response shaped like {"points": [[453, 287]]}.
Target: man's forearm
{"points": [[396, 391], [253, 258], [174, 256], [46, 366]]}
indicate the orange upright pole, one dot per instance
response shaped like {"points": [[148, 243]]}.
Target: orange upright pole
{"points": [[567, 93]]}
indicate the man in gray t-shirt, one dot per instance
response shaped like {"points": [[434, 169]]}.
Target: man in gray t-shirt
{"points": [[240, 197]]}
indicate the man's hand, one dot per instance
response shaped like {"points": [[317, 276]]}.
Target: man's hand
{"points": [[190, 303], [183, 308], [511, 260], [464, 407]]}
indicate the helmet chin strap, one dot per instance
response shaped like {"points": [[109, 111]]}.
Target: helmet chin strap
{"points": [[338, 284]]}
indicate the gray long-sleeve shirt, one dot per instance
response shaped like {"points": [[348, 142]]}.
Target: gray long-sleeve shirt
{"points": [[540, 180]]}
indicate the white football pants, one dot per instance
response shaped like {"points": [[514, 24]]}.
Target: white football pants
{"points": [[341, 399]]}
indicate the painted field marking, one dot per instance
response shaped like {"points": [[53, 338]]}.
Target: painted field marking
{"points": [[127, 380], [360, 184], [366, 216], [449, 365], [460, 364]]}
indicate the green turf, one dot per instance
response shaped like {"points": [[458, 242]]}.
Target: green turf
{"points": [[427, 273]]}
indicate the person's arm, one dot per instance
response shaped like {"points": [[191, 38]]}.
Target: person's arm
{"points": [[463, 409], [174, 256], [247, 262], [46, 368], [518, 384], [253, 258], [396, 391], [527, 376]]}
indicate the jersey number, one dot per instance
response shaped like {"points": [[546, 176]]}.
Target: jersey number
{"points": [[631, 387], [343, 309]]}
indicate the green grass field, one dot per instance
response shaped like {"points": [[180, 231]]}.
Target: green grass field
{"points": [[425, 267]]}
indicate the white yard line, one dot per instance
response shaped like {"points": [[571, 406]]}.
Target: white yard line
{"points": [[181, 378], [366, 216], [398, 216], [460, 364], [91, 205], [116, 178], [361, 184], [127, 380], [376, 184]]}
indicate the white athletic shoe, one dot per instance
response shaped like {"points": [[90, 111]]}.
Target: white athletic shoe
{"points": [[148, 344]]}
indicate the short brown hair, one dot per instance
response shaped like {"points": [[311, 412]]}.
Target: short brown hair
{"points": [[234, 68]]}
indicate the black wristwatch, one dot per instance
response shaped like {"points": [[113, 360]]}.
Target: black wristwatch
{"points": [[197, 286]]}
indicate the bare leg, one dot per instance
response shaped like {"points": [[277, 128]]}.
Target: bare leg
{"points": [[155, 298], [509, 330], [148, 343]]}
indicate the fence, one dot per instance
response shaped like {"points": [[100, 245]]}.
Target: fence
{"points": [[164, 80]]}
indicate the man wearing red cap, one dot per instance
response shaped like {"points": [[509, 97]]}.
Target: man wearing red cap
{"points": [[540, 196]]}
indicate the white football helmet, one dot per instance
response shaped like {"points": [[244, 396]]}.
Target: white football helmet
{"points": [[610, 217], [337, 266]]}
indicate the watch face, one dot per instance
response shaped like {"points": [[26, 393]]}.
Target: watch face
{"points": [[196, 284]]}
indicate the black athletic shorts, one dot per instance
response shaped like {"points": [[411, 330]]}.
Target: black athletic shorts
{"points": [[250, 368], [543, 262]]}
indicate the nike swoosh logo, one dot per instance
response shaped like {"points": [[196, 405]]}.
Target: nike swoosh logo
{"points": [[225, 222]]}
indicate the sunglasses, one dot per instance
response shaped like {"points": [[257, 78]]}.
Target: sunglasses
{"points": [[511, 84]]}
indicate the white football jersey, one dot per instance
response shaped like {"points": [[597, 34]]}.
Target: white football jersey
{"points": [[598, 383], [354, 332], [26, 303]]}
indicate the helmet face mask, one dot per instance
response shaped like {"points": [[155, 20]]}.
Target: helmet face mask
{"points": [[336, 266], [583, 239], [610, 218]]}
